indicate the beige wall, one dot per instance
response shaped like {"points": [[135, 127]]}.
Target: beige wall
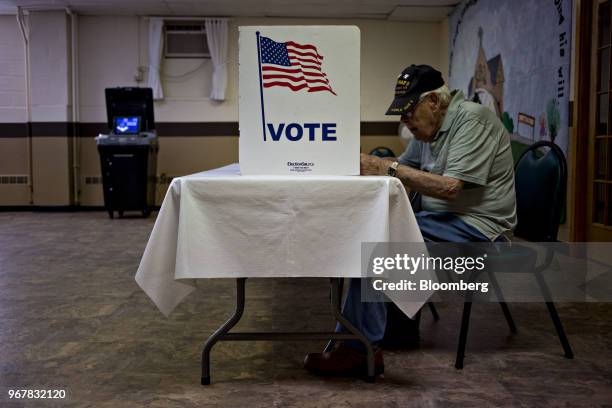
{"points": [[13, 161], [90, 194], [444, 48], [107, 57], [51, 160], [13, 151], [50, 61], [110, 51], [12, 71]]}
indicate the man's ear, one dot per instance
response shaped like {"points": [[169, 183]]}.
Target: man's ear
{"points": [[434, 101]]}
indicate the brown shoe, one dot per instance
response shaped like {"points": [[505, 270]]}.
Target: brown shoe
{"points": [[343, 361]]}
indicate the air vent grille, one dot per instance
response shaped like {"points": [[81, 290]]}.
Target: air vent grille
{"points": [[93, 179], [13, 179]]}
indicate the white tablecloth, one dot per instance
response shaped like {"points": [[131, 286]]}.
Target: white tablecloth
{"points": [[219, 224]]}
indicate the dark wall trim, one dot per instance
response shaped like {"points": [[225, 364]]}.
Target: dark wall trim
{"points": [[197, 128], [60, 208], [169, 129], [92, 129], [164, 129], [49, 208], [379, 128], [52, 129], [13, 130]]}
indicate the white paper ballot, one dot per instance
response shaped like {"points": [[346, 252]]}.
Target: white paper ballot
{"points": [[299, 89]]}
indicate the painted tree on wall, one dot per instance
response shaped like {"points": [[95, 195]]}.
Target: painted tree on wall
{"points": [[508, 122], [554, 118]]}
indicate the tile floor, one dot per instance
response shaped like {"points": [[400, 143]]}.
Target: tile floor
{"points": [[72, 317]]}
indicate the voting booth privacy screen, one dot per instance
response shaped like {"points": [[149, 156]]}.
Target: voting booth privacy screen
{"points": [[129, 110], [299, 89]]}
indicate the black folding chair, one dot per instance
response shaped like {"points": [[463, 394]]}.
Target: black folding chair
{"points": [[540, 183]]}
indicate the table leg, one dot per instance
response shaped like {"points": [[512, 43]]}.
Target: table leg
{"points": [[335, 307], [222, 333], [214, 338], [331, 343]]}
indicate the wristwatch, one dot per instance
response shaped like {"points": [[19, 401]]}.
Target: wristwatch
{"points": [[392, 170]]}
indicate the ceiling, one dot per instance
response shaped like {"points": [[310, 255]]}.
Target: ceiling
{"points": [[393, 10]]}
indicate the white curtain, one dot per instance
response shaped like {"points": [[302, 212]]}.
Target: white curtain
{"points": [[156, 26], [216, 34]]}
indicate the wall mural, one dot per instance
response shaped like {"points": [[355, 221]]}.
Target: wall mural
{"points": [[513, 56]]}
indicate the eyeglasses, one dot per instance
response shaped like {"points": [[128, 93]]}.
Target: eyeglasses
{"points": [[410, 112]]}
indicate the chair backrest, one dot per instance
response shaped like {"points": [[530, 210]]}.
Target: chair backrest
{"points": [[540, 183], [382, 151]]}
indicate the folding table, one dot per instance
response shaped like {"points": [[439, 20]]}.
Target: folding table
{"points": [[219, 224]]}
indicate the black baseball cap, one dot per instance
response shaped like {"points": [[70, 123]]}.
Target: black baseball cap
{"points": [[411, 84]]}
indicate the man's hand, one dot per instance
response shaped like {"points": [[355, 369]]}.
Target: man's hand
{"points": [[373, 165], [433, 185]]}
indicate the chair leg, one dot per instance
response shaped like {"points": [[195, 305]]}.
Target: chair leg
{"points": [[508, 317], [560, 332], [502, 302], [434, 312], [567, 349], [465, 322]]}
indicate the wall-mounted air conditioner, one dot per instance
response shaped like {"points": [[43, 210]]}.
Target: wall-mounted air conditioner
{"points": [[185, 39]]}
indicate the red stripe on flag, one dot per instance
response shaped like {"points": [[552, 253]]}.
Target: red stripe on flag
{"points": [[288, 85], [317, 81], [310, 67], [305, 66], [308, 61], [296, 79], [305, 54], [274, 68], [321, 88], [293, 71], [303, 46], [307, 73], [289, 77]]}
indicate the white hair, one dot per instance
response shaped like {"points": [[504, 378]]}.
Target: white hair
{"points": [[443, 93]]}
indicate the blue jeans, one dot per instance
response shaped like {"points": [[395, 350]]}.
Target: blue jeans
{"points": [[370, 318]]}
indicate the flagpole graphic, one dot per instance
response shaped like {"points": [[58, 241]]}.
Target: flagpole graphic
{"points": [[263, 114]]}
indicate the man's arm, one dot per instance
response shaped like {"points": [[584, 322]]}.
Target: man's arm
{"points": [[432, 185]]}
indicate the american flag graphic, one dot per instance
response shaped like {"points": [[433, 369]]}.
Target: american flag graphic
{"points": [[292, 65]]}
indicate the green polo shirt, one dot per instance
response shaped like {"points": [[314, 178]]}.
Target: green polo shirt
{"points": [[473, 146]]}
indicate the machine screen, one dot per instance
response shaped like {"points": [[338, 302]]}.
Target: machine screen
{"points": [[127, 125]]}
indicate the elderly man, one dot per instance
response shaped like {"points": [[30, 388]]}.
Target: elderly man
{"points": [[461, 164]]}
